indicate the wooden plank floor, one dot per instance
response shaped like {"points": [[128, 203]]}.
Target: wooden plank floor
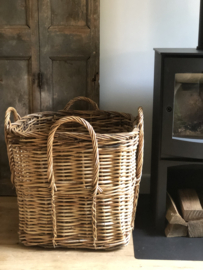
{"points": [[15, 256]]}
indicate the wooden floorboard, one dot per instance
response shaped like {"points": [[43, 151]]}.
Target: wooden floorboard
{"points": [[16, 256]]}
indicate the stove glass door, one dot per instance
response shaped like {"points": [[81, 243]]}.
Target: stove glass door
{"points": [[188, 107]]}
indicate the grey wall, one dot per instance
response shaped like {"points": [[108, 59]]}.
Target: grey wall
{"points": [[130, 29]]}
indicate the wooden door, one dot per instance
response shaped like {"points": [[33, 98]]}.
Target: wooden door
{"points": [[49, 53], [69, 51], [19, 68]]}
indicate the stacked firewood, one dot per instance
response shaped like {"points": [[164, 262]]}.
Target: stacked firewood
{"points": [[190, 221]]}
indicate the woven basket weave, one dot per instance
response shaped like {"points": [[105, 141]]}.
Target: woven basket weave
{"points": [[76, 174]]}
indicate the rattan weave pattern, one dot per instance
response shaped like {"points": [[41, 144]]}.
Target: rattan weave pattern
{"points": [[76, 174]]}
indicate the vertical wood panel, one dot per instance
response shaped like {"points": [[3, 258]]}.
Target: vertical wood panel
{"points": [[19, 68], [12, 12], [69, 80], [14, 93], [68, 29], [34, 25], [69, 12]]}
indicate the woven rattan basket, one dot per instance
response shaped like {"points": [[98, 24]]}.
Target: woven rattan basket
{"points": [[76, 174]]}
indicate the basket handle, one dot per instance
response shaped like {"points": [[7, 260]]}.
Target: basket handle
{"points": [[51, 178], [7, 124], [8, 116], [140, 155], [141, 143], [72, 101]]}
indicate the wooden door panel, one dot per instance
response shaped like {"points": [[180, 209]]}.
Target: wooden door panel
{"points": [[14, 28], [69, 12], [13, 12], [69, 44], [69, 80], [65, 41], [14, 42], [19, 68], [14, 93]]}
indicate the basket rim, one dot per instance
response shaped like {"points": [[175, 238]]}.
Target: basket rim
{"points": [[13, 127]]}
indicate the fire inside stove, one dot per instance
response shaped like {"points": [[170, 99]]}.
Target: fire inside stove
{"points": [[188, 107]]}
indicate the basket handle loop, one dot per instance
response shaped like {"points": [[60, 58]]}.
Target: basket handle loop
{"points": [[8, 116], [140, 155], [141, 143], [51, 178], [72, 101], [7, 124]]}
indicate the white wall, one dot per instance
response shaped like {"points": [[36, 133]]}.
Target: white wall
{"points": [[130, 29]]}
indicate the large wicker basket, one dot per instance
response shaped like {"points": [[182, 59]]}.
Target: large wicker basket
{"points": [[76, 174]]}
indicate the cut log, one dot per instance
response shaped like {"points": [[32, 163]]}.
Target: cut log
{"points": [[172, 214], [176, 230], [195, 228], [190, 204]]}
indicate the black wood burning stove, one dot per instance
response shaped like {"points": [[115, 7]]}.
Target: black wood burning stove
{"points": [[177, 137]]}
